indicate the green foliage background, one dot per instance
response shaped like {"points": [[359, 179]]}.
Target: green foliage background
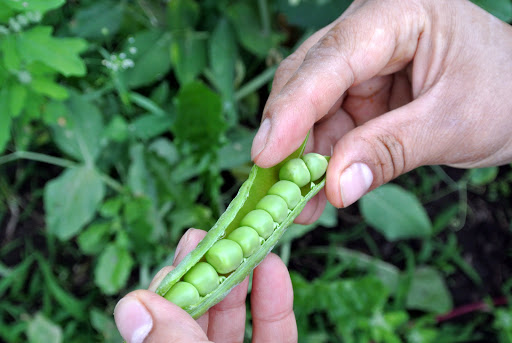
{"points": [[123, 123]]}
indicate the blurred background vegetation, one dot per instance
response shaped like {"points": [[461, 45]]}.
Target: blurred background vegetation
{"points": [[123, 123]]}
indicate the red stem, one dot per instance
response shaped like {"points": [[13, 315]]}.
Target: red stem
{"points": [[469, 308]]}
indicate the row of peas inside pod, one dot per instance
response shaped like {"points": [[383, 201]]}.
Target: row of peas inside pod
{"points": [[228, 253]]}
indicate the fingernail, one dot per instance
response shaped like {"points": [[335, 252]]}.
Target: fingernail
{"points": [[260, 140], [133, 320], [355, 182], [181, 244]]}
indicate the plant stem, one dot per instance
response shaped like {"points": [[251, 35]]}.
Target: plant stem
{"points": [[34, 156], [255, 83], [265, 17], [61, 162]]}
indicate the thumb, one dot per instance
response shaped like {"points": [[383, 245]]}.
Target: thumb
{"points": [[143, 316], [382, 149]]}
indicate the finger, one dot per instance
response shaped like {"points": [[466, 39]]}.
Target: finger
{"points": [[143, 316], [313, 209], [227, 318], [381, 149], [272, 303], [353, 51], [187, 243], [159, 277]]}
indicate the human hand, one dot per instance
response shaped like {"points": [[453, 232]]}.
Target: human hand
{"points": [[144, 316], [389, 86]]}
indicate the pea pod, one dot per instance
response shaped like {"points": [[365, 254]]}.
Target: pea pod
{"points": [[248, 209]]}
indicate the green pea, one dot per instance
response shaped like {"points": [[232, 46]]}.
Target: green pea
{"points": [[296, 171], [261, 221], [247, 238], [275, 205], [316, 163], [225, 256], [203, 277], [287, 190], [182, 294]]}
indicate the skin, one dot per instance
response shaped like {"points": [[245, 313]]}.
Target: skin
{"points": [[389, 86]]}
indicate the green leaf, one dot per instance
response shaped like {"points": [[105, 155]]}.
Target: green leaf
{"points": [[105, 325], [396, 213], [107, 20], [182, 14], [5, 119], [113, 269], [139, 178], [149, 126], [165, 149], [222, 55], [61, 54], [151, 58], [11, 58], [188, 55], [94, 238], [42, 330], [17, 95], [79, 134], [199, 120], [47, 86], [483, 176], [71, 200], [499, 8], [311, 13], [428, 292], [111, 207], [247, 27], [117, 129]]}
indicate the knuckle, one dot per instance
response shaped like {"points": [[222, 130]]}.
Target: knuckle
{"points": [[389, 155]]}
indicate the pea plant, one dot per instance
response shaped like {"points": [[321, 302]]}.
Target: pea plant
{"points": [[119, 133]]}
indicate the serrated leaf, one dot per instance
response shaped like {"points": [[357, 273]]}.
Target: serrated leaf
{"points": [[396, 213], [428, 292], [199, 120], [483, 176], [79, 134], [499, 8], [61, 54], [151, 58], [71, 200], [188, 55], [107, 20], [42, 330], [113, 269]]}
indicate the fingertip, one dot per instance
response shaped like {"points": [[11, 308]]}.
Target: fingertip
{"points": [[187, 243], [159, 277]]}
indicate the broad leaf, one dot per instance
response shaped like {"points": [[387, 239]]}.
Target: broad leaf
{"points": [[35, 5], [94, 238], [150, 56], [396, 213], [483, 176], [61, 54], [40, 329], [428, 292], [188, 55], [107, 20], [222, 55], [17, 96], [247, 26], [182, 14], [113, 269], [150, 125], [199, 118], [79, 134], [71, 200]]}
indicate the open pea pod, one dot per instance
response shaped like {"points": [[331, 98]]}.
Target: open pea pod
{"points": [[256, 187]]}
